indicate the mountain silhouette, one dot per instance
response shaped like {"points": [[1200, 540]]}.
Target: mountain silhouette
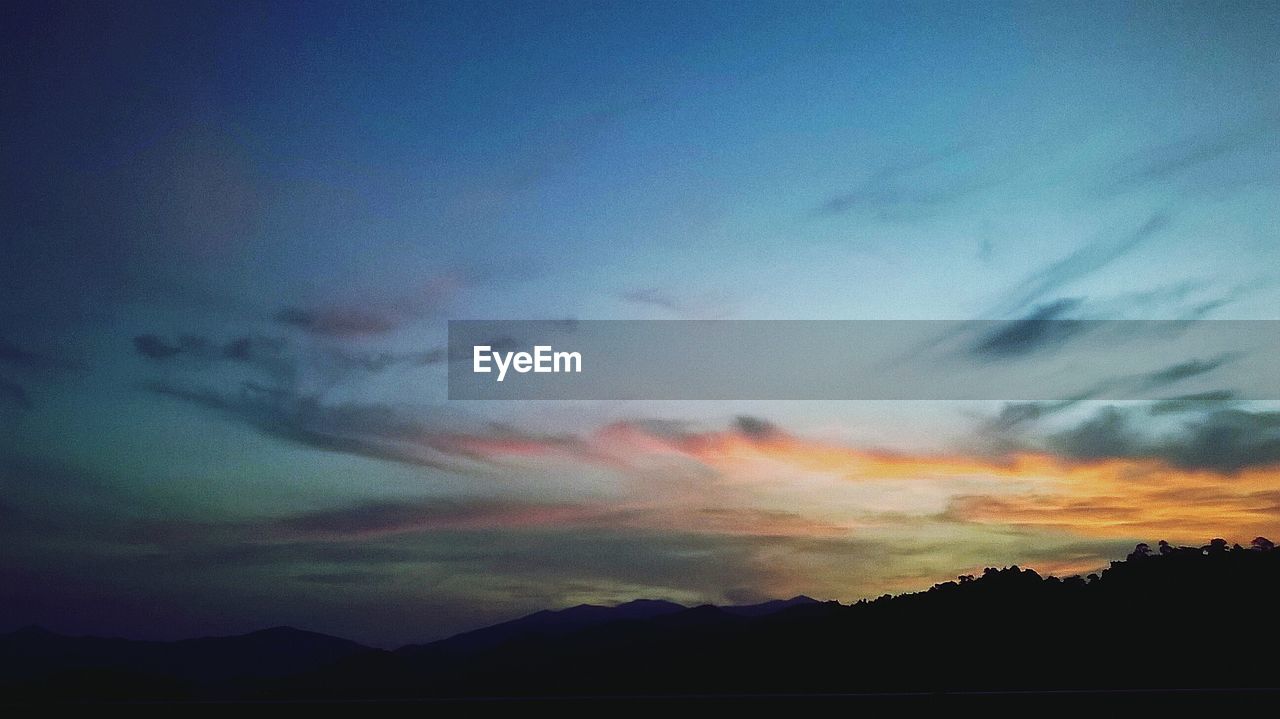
{"points": [[35, 656], [769, 607], [550, 623], [546, 623], [1168, 619]]}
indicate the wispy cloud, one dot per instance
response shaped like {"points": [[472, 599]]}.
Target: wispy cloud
{"points": [[374, 431], [371, 431], [337, 321], [912, 186], [1169, 160], [681, 305], [1185, 370], [26, 364], [281, 358], [24, 359], [1078, 264], [1044, 328]]}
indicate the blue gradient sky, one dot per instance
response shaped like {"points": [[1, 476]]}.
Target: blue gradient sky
{"points": [[233, 236]]}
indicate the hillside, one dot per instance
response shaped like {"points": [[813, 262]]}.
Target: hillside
{"points": [[1174, 618]]}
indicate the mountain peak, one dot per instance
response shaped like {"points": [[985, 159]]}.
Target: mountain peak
{"points": [[650, 604]]}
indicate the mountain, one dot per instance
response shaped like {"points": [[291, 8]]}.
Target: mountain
{"points": [[546, 623], [550, 623], [1199, 618], [1192, 618], [34, 653], [769, 607]]}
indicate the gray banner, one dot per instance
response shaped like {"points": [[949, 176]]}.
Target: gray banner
{"points": [[863, 359]]}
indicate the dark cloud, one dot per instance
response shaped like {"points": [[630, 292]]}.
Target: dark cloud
{"points": [[338, 321], [754, 427], [281, 359], [241, 349], [893, 203], [1223, 440], [1106, 435], [372, 431], [1172, 159], [155, 348], [1185, 370], [1199, 401], [1084, 261], [251, 349], [1016, 414], [911, 187], [24, 359], [1044, 328]]}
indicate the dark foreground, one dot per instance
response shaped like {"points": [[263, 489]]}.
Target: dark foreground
{"points": [[1187, 625]]}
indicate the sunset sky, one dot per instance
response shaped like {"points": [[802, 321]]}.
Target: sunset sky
{"points": [[233, 234]]}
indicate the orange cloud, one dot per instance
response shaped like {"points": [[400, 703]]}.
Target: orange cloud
{"points": [[1111, 498], [1127, 498]]}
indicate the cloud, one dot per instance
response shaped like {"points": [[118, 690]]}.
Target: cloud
{"points": [[349, 578], [1185, 370], [24, 359], [1082, 262], [910, 187], [1042, 329], [390, 517], [1172, 159], [706, 306], [892, 203], [371, 431], [1017, 414], [1196, 402], [252, 349], [1118, 503], [338, 321], [376, 521], [374, 431], [281, 359], [654, 298], [1223, 440], [155, 348], [380, 361], [240, 349], [754, 426]]}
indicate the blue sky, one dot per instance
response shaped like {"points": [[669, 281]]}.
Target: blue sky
{"points": [[234, 234]]}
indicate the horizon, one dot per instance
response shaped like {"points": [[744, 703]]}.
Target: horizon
{"points": [[638, 600], [235, 235]]}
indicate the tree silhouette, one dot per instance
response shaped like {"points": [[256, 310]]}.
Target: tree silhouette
{"points": [[1142, 551], [1142, 623]]}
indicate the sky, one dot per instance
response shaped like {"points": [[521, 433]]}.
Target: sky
{"points": [[233, 235]]}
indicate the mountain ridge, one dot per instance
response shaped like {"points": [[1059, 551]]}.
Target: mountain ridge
{"points": [[1180, 617]]}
